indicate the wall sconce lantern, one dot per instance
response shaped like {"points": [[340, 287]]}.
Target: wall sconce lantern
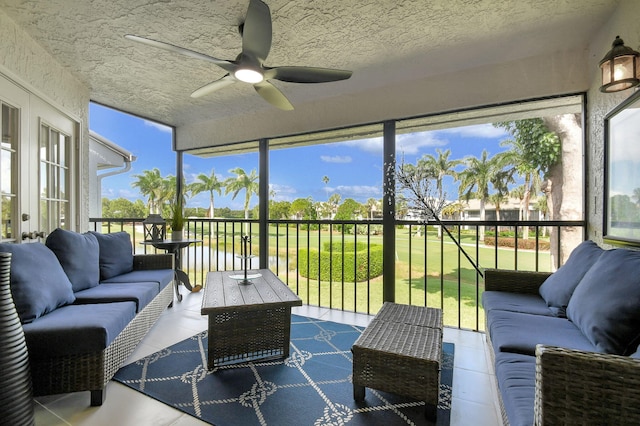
{"points": [[155, 228], [620, 68]]}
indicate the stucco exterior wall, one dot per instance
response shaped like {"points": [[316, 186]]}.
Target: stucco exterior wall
{"points": [[623, 23], [28, 65]]}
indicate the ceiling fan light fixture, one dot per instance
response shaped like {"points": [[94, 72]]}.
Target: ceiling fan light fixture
{"points": [[248, 75]]}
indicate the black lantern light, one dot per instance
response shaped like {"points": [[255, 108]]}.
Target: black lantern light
{"points": [[620, 67], [155, 228]]}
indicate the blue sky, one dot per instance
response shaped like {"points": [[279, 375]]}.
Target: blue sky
{"points": [[354, 168]]}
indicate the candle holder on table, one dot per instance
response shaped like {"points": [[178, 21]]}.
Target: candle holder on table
{"points": [[245, 258]]}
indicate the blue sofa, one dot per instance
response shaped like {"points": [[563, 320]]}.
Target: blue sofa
{"points": [[565, 345], [85, 301]]}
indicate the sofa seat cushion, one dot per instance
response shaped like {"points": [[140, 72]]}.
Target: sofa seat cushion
{"points": [[515, 302], [161, 276], [516, 376], [141, 293], [116, 254], [606, 303], [559, 287], [38, 282], [520, 333], [77, 329], [79, 256]]}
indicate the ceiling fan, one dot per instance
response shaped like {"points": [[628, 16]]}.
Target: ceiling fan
{"points": [[249, 66]]}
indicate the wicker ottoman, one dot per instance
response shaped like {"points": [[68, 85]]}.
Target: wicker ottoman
{"points": [[400, 352]]}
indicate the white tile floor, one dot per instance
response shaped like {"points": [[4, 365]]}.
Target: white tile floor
{"points": [[473, 386]]}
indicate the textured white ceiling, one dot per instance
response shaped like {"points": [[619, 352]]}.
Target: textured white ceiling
{"points": [[384, 42]]}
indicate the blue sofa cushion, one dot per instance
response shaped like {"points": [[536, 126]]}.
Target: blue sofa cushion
{"points": [[606, 303], [77, 329], [141, 293], [515, 302], [79, 256], [161, 276], [116, 254], [516, 376], [558, 288], [520, 333], [38, 282]]}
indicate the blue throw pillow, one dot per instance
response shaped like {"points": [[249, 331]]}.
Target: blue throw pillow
{"points": [[38, 282], [606, 304], [116, 254], [558, 288], [79, 256]]}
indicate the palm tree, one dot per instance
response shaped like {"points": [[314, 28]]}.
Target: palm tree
{"points": [[208, 184], [533, 150], [325, 179], [518, 192], [371, 206], [149, 183], [439, 167], [475, 181], [242, 181], [543, 208], [167, 192], [453, 210]]}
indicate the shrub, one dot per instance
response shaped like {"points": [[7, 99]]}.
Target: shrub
{"points": [[529, 244], [355, 266]]}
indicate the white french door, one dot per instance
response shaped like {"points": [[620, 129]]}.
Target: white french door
{"points": [[36, 177]]}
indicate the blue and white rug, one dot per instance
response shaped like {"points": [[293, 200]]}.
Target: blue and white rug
{"points": [[311, 387]]}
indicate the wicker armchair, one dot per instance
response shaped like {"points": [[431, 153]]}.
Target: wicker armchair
{"points": [[574, 387]]}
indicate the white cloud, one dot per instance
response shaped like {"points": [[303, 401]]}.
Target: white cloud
{"points": [[283, 192], [336, 159], [485, 131], [358, 191], [373, 145], [412, 143], [158, 126]]}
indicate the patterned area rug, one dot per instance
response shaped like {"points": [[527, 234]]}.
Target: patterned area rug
{"points": [[311, 387]]}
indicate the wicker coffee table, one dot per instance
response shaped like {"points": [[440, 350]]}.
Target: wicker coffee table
{"points": [[247, 321], [400, 352]]}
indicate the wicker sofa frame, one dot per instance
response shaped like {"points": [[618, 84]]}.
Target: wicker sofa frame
{"points": [[92, 371], [573, 387]]}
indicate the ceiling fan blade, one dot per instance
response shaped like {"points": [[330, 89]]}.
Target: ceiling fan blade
{"points": [[213, 86], [306, 74], [226, 65], [271, 94], [256, 31]]}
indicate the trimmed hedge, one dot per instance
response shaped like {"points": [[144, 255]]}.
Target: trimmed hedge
{"points": [[529, 244], [353, 269]]}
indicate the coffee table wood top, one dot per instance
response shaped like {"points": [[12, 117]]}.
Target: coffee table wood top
{"points": [[223, 293]]}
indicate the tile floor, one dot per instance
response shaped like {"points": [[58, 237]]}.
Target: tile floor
{"points": [[474, 392]]}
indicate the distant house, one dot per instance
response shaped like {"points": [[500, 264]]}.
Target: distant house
{"points": [[509, 210], [105, 159]]}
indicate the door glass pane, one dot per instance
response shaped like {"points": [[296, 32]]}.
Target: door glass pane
{"points": [[6, 231], [9, 144], [44, 143], [54, 181], [54, 146], [62, 149]]}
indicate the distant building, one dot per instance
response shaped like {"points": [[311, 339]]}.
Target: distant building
{"points": [[510, 210]]}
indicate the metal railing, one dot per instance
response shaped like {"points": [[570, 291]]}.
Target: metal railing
{"points": [[338, 264]]}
